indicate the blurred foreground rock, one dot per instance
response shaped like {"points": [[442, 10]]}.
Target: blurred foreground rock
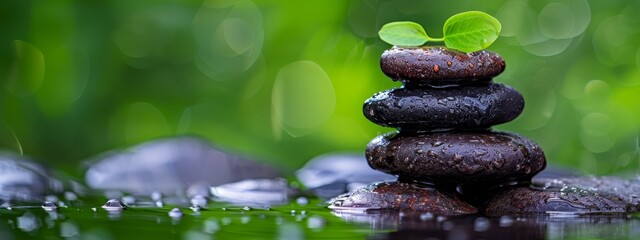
{"points": [[24, 180], [332, 174], [170, 166]]}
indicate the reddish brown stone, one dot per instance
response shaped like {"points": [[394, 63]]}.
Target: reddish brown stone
{"points": [[397, 195], [439, 65]]}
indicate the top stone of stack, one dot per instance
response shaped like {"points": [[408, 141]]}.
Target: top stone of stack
{"points": [[439, 65]]}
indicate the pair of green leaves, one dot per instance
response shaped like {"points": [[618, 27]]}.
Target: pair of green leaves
{"points": [[468, 32]]}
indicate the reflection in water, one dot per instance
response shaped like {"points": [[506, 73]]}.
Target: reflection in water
{"points": [[311, 221], [414, 225]]}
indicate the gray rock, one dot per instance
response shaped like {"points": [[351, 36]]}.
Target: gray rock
{"points": [[171, 166], [254, 192], [24, 180], [332, 174]]}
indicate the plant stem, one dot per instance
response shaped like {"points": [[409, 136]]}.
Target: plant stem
{"points": [[435, 39]]}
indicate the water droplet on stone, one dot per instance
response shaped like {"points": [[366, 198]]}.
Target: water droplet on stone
{"points": [[497, 163], [437, 144], [480, 152]]}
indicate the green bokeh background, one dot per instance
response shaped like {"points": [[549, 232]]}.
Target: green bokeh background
{"points": [[284, 81]]}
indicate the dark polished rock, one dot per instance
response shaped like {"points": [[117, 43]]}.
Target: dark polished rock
{"points": [[570, 200], [397, 195], [453, 158], [439, 65], [469, 106]]}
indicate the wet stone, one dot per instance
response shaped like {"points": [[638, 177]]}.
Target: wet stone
{"points": [[588, 194], [482, 158], [626, 189], [464, 107], [439, 65], [534, 200], [397, 195]]}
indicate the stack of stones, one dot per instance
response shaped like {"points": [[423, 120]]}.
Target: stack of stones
{"points": [[444, 149]]}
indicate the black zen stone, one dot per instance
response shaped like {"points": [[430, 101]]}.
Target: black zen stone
{"points": [[465, 107], [448, 159], [439, 65]]}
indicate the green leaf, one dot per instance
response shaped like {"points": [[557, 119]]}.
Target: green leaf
{"points": [[471, 31], [408, 34]]}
